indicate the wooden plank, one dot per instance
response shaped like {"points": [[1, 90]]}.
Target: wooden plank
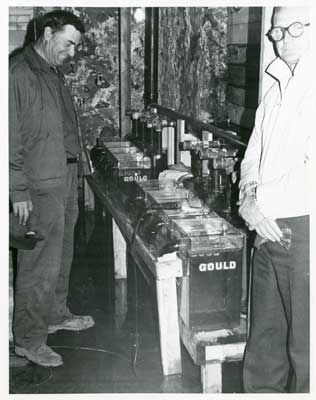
{"points": [[224, 352], [21, 18], [160, 269], [189, 343], [243, 53], [18, 26], [184, 300], [241, 116], [244, 33], [21, 11], [125, 69], [196, 342], [211, 378], [119, 250], [239, 15], [168, 269], [242, 97], [120, 302], [16, 40], [168, 326], [16, 37]]}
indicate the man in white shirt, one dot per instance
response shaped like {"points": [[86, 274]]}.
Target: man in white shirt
{"points": [[274, 203]]}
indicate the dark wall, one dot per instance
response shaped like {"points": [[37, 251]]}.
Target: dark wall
{"points": [[243, 43]]}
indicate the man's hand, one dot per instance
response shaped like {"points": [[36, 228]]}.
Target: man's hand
{"points": [[265, 227], [268, 229], [249, 210], [22, 210]]}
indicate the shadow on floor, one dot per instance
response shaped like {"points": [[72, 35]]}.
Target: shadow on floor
{"points": [[104, 359]]}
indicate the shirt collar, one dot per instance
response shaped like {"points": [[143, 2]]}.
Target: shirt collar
{"points": [[281, 72], [38, 62]]}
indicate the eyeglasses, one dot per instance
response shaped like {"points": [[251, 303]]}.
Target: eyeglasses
{"points": [[277, 33]]}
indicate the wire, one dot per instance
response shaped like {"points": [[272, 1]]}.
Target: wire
{"points": [[142, 218], [47, 379], [134, 355], [79, 348], [136, 333], [90, 349]]}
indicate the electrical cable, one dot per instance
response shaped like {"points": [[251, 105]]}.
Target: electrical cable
{"points": [[136, 333], [79, 348], [142, 218], [134, 355], [90, 349]]}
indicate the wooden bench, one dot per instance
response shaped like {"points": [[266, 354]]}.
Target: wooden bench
{"points": [[207, 349], [163, 272], [210, 349]]}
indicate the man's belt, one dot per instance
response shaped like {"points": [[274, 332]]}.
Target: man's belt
{"points": [[72, 160]]}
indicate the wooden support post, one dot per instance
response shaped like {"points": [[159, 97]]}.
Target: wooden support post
{"points": [[184, 298], [119, 250], [211, 377], [168, 326], [120, 305], [125, 69]]}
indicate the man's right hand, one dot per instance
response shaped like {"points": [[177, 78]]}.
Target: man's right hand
{"points": [[22, 210], [265, 227], [268, 229]]}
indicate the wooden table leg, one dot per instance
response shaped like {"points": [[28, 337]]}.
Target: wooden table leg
{"points": [[168, 326], [120, 303], [119, 250], [211, 377]]}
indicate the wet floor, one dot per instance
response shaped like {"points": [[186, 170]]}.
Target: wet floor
{"points": [[120, 354]]}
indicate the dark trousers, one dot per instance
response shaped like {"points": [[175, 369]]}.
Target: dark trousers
{"points": [[43, 273], [279, 333]]}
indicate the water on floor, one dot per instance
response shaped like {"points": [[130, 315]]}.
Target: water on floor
{"points": [[120, 354]]}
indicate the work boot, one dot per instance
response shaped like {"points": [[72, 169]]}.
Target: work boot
{"points": [[43, 356], [74, 323]]}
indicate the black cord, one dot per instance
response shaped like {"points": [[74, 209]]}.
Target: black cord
{"points": [[136, 332], [134, 355], [89, 349]]}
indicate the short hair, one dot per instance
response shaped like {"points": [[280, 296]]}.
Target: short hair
{"points": [[276, 10], [57, 19]]}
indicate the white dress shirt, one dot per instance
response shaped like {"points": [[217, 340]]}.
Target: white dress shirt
{"points": [[278, 152]]}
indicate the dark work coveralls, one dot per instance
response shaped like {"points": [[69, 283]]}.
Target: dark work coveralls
{"points": [[43, 133]]}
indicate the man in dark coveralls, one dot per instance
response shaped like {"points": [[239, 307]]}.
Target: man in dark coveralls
{"points": [[45, 152]]}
